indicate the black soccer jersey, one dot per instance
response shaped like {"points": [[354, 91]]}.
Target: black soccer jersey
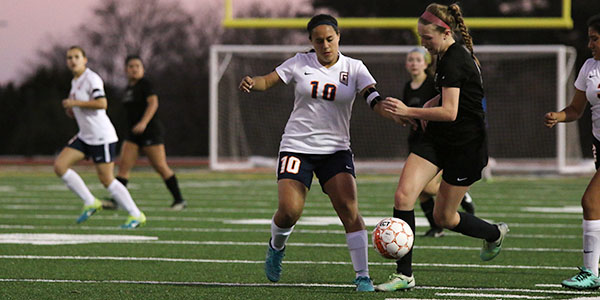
{"points": [[456, 68], [418, 97], [135, 102]]}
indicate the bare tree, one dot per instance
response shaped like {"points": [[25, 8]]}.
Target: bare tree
{"points": [[156, 30]]}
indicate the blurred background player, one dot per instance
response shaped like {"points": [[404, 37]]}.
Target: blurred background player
{"points": [[587, 89], [145, 131], [316, 141], [417, 91], [96, 139], [455, 140]]}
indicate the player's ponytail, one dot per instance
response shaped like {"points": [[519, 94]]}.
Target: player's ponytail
{"points": [[456, 13]]}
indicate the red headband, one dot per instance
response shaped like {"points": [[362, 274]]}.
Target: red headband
{"points": [[431, 18]]}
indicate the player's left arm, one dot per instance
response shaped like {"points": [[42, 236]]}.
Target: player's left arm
{"points": [[447, 112], [151, 109], [374, 100], [98, 103]]}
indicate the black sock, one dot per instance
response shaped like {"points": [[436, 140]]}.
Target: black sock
{"points": [[404, 264], [122, 180], [427, 208], [173, 187], [473, 226]]}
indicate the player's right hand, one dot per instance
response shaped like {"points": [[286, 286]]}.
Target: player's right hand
{"points": [[247, 84], [551, 119]]}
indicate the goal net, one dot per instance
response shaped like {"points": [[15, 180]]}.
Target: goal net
{"points": [[521, 84]]}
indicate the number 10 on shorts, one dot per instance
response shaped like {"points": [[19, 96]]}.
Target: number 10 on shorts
{"points": [[289, 164]]}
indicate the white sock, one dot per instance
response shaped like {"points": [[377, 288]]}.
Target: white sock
{"points": [[120, 193], [77, 186], [591, 245], [358, 246], [279, 236]]}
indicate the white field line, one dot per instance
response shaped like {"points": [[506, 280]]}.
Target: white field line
{"points": [[291, 262], [509, 290], [309, 211], [8, 239], [245, 229], [552, 285], [326, 245], [416, 299], [266, 200], [326, 220], [497, 296], [253, 284], [114, 217]]}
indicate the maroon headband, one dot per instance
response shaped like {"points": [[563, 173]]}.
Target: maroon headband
{"points": [[431, 18]]}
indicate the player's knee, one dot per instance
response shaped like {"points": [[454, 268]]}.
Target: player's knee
{"points": [[287, 218], [59, 169], [590, 203], [402, 200], [106, 180]]}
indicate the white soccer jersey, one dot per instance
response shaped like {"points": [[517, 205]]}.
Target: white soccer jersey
{"points": [[320, 121], [588, 81], [95, 127]]}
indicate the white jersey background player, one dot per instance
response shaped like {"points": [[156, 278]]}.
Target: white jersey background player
{"points": [[317, 140], [587, 89], [96, 139]]}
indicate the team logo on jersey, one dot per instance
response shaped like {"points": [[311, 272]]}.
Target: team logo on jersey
{"points": [[344, 77]]}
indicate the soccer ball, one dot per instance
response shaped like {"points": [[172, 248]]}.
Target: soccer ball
{"points": [[393, 238]]}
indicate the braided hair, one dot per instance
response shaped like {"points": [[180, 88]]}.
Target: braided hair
{"points": [[452, 16]]}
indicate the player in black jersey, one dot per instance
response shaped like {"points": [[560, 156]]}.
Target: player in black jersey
{"points": [[146, 132], [454, 140], [417, 92]]}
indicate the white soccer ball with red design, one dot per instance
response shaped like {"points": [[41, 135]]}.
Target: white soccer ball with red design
{"points": [[393, 238]]}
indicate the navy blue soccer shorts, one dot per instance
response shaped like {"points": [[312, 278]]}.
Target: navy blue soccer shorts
{"points": [[104, 153], [301, 166]]}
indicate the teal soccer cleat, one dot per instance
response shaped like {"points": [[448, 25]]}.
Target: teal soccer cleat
{"points": [[273, 263], [134, 222], [396, 282], [585, 280], [89, 210], [364, 284], [492, 249]]}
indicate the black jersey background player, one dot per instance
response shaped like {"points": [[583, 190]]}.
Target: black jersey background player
{"points": [[145, 131]]}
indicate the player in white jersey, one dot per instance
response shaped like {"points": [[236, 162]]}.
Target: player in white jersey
{"points": [[317, 140], [587, 89], [96, 139]]}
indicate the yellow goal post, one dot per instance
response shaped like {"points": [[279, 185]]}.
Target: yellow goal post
{"points": [[564, 21]]}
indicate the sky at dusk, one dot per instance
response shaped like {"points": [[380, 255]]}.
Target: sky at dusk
{"points": [[27, 25]]}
